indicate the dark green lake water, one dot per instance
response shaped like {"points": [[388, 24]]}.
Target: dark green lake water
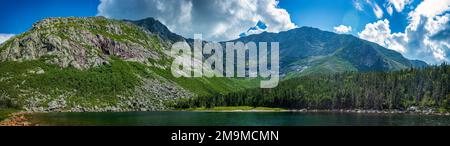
{"points": [[237, 119]]}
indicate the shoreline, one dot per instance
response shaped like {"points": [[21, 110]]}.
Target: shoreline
{"points": [[20, 118], [328, 111], [268, 109]]}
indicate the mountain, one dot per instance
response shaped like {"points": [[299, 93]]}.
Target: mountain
{"points": [[97, 64], [100, 64], [307, 51], [156, 27], [83, 43]]}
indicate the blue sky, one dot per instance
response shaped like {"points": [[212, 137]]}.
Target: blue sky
{"points": [[18, 15], [407, 26], [326, 14]]}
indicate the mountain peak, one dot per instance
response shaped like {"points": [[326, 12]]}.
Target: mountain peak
{"points": [[82, 42], [308, 50], [63, 20], [308, 28], [156, 27]]}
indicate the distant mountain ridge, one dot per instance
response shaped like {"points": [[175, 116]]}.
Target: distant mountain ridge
{"points": [[306, 50]]}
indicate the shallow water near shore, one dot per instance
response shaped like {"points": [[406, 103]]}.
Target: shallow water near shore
{"points": [[185, 118]]}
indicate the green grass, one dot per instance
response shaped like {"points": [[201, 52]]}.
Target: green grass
{"points": [[325, 66], [204, 86], [155, 43], [4, 113], [5, 44], [98, 83], [209, 86], [234, 108]]}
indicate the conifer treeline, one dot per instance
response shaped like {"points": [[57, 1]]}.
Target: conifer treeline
{"points": [[424, 88]]}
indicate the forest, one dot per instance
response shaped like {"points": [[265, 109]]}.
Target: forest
{"points": [[424, 88]]}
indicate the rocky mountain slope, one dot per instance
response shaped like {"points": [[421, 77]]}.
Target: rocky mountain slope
{"points": [[308, 51], [82, 43], [95, 64]]}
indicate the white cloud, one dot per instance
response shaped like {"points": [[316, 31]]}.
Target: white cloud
{"points": [[4, 37], [376, 32], [216, 19], [358, 5], [428, 9], [380, 33], [255, 31], [342, 29], [377, 10], [390, 10], [399, 5], [426, 36]]}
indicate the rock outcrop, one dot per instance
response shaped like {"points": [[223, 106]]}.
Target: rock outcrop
{"points": [[82, 42]]}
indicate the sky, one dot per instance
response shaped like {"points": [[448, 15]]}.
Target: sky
{"points": [[419, 29]]}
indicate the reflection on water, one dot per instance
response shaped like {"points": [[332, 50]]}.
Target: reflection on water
{"points": [[238, 119]]}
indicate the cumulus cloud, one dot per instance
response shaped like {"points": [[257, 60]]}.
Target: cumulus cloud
{"points": [[4, 37], [426, 36], [429, 9], [379, 32], [342, 29], [216, 19], [376, 32]]}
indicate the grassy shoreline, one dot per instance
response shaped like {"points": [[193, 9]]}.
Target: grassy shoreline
{"points": [[233, 108], [14, 117], [5, 113], [269, 109]]}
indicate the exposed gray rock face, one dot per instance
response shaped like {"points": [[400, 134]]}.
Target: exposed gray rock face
{"points": [[82, 42], [151, 96]]}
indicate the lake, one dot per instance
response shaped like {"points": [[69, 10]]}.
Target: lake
{"points": [[180, 118]]}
